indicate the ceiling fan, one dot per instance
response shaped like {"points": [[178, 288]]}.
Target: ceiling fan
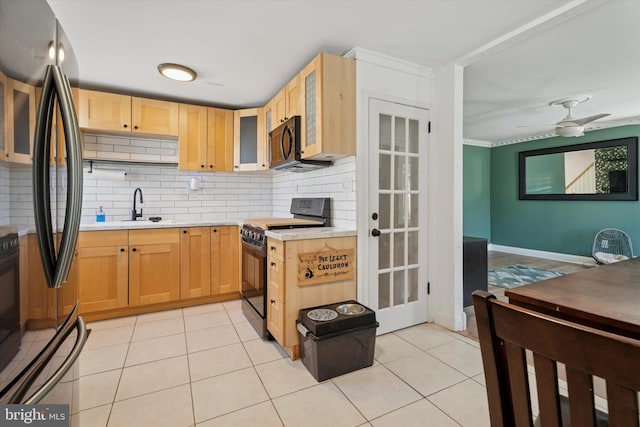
{"points": [[573, 126]]}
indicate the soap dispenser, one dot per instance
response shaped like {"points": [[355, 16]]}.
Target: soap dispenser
{"points": [[100, 215]]}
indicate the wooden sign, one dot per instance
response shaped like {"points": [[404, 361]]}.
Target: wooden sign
{"points": [[325, 266]]}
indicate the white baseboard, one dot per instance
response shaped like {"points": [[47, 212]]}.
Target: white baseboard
{"points": [[575, 259]]}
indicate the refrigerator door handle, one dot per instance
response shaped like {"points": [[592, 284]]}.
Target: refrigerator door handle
{"points": [[56, 86], [81, 338], [41, 178]]}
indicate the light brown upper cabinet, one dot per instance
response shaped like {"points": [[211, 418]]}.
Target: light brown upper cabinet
{"points": [[328, 108], [220, 144], [287, 102], [192, 138], [114, 112], [205, 139], [20, 121], [249, 140]]}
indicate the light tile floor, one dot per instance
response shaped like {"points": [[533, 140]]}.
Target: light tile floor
{"points": [[205, 366]]}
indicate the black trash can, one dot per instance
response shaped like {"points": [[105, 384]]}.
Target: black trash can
{"points": [[336, 338]]}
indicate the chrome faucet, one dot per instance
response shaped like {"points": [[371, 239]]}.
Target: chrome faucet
{"points": [[134, 213]]}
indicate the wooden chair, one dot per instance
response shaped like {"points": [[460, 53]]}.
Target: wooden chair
{"points": [[506, 330]]}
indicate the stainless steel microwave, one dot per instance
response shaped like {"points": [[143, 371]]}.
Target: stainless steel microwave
{"points": [[285, 152]]}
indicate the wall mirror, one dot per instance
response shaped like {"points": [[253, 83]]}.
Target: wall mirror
{"points": [[603, 170]]}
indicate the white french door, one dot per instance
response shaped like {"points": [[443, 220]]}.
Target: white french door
{"points": [[397, 213]]}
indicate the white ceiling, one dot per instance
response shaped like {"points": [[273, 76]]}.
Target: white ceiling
{"points": [[245, 50]]}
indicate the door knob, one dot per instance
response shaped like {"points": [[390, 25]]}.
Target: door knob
{"points": [[375, 232]]}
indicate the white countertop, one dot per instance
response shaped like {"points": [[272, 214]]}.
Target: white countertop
{"points": [[131, 225], [310, 233]]}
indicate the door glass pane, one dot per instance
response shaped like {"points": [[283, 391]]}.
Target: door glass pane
{"points": [[400, 135], [413, 136], [383, 290], [413, 210], [248, 139], [1, 116], [399, 293], [384, 211], [385, 172], [398, 249], [21, 122], [267, 118], [400, 172], [310, 109], [412, 247], [413, 173], [398, 197], [384, 134], [398, 210], [412, 276], [384, 251]]}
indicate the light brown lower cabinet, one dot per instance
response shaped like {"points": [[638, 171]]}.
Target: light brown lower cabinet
{"points": [[118, 270], [41, 301], [287, 295], [154, 266], [225, 260], [195, 262], [103, 270]]}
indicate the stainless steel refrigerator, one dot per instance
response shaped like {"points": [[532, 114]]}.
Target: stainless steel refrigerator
{"points": [[41, 171]]}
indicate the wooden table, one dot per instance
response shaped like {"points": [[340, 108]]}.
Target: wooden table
{"points": [[605, 297]]}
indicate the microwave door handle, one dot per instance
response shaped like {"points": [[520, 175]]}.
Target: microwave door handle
{"points": [[41, 176], [286, 131], [284, 156]]}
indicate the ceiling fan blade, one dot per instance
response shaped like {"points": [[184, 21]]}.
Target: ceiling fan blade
{"points": [[582, 121]]}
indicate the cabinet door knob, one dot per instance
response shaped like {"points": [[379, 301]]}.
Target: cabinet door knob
{"points": [[273, 248], [215, 230], [121, 249], [134, 249], [273, 301], [135, 127], [125, 126], [273, 264], [202, 166], [210, 166], [184, 231]]}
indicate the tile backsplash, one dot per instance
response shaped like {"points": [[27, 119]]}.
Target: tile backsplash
{"points": [[166, 191]]}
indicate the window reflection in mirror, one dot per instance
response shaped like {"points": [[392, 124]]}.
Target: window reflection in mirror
{"points": [[605, 170]]}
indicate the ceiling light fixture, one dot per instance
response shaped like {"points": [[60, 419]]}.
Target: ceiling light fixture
{"points": [[177, 72]]}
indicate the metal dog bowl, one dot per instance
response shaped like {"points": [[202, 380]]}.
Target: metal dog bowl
{"points": [[322, 314], [350, 309]]}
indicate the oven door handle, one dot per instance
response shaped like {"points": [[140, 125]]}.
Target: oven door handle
{"points": [[252, 246]]}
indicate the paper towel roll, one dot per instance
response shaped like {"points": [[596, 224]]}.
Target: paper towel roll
{"points": [[112, 174]]}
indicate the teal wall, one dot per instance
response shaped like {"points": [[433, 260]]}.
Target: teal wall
{"points": [[552, 225], [476, 198]]}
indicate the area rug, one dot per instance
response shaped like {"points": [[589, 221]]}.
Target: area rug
{"points": [[519, 275]]}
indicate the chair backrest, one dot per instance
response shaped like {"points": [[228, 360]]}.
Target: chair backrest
{"points": [[506, 331], [613, 241]]}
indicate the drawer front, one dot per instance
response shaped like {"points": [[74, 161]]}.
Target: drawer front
{"points": [[154, 236], [93, 239], [275, 249], [275, 318]]}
